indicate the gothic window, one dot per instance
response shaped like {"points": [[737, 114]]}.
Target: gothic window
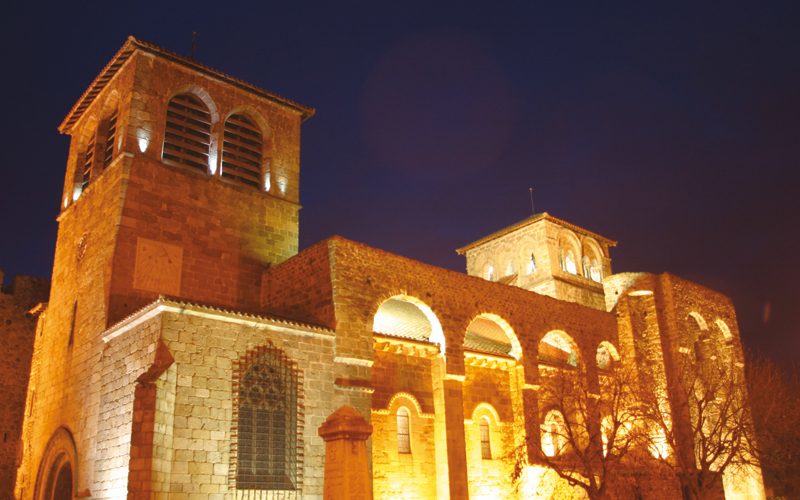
{"points": [[268, 408], [110, 136], [486, 444], [553, 434], [241, 151], [403, 432], [187, 137]]}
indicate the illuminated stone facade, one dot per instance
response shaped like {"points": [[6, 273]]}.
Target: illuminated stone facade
{"points": [[188, 350]]}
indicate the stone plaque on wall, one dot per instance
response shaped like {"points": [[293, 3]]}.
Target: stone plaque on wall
{"points": [[158, 267]]}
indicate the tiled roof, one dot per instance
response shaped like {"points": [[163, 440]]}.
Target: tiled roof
{"points": [[528, 221], [130, 46], [165, 302]]}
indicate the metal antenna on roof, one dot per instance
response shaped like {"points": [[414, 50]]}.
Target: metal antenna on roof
{"points": [[530, 190], [194, 45]]}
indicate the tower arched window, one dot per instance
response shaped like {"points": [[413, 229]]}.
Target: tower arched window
{"points": [[531, 267], [491, 275], [568, 263], [241, 151], [486, 441], [403, 431], [266, 449], [187, 138]]}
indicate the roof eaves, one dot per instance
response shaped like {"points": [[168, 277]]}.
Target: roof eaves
{"points": [[526, 222], [132, 44], [170, 305]]}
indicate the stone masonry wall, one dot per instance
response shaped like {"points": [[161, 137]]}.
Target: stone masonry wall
{"points": [[17, 332]]}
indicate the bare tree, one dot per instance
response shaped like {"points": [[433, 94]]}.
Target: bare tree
{"points": [[587, 433], [705, 430], [775, 402]]}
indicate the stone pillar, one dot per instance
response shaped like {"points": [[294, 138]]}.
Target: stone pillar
{"points": [[530, 403], [346, 461], [456, 443]]}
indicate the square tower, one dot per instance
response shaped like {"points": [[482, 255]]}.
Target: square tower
{"points": [[181, 181], [546, 255]]}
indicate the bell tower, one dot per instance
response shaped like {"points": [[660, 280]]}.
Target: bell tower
{"points": [[181, 181], [546, 255]]}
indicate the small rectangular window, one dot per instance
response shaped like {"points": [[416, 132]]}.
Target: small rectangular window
{"points": [[486, 443], [403, 434]]}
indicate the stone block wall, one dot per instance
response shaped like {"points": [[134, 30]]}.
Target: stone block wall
{"points": [[17, 333]]}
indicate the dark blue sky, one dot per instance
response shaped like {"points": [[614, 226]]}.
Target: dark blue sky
{"points": [[672, 129]]}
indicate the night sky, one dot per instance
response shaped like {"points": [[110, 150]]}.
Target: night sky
{"points": [[675, 131]]}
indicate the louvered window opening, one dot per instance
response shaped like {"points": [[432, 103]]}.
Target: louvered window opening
{"points": [[111, 134], [188, 135], [403, 434], [241, 151], [88, 163], [268, 412], [486, 443]]}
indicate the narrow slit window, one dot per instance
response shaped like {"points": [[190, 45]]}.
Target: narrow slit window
{"points": [[187, 138], [486, 442], [241, 151], [403, 432], [71, 339], [88, 163], [111, 135]]}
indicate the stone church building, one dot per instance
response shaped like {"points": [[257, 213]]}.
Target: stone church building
{"points": [[187, 350]]}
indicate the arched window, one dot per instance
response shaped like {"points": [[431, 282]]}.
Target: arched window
{"points": [[568, 262], [403, 431], [510, 268], [554, 438], [491, 275], [557, 348], [266, 450], [486, 441], [531, 268], [241, 151], [187, 137], [606, 356]]}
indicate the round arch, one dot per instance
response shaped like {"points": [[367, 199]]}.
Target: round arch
{"points": [[558, 348], [724, 329], [203, 95], [698, 319], [485, 410], [569, 250], [491, 333], [607, 355], [404, 400], [407, 316], [57, 475]]}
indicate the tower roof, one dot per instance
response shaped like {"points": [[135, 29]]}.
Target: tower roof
{"points": [[133, 44], [528, 221]]}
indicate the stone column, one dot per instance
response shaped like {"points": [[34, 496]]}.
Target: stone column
{"points": [[456, 443], [530, 403], [346, 461]]}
